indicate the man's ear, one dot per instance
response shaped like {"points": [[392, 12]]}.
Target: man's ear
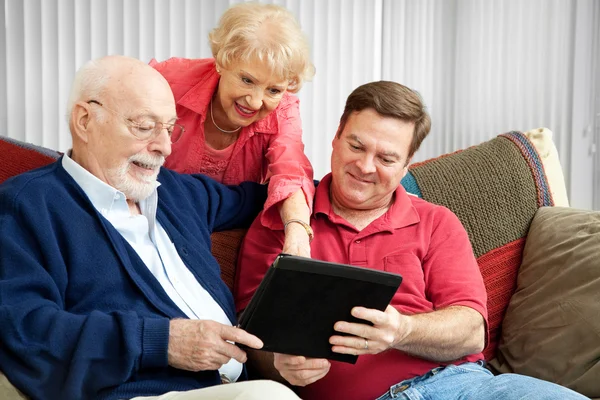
{"points": [[405, 170], [80, 119], [338, 134]]}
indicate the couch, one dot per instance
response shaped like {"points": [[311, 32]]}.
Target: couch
{"points": [[537, 255]]}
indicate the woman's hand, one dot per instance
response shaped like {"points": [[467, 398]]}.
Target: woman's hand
{"points": [[296, 242]]}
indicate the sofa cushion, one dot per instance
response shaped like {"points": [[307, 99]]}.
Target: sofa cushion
{"points": [[19, 157], [225, 247], [495, 189], [551, 329]]}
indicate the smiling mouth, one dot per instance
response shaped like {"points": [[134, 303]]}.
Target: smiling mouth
{"points": [[149, 167], [245, 112], [354, 177]]}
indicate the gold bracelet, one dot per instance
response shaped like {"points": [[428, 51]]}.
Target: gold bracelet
{"points": [[306, 227]]}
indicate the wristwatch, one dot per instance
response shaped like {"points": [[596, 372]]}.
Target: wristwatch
{"points": [[306, 227]]}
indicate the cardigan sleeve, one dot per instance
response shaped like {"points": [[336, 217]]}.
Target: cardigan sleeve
{"points": [[221, 206], [289, 169], [48, 349]]}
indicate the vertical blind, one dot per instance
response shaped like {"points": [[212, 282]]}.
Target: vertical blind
{"points": [[482, 67]]}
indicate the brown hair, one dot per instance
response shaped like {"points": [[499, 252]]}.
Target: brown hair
{"points": [[390, 99], [267, 33]]}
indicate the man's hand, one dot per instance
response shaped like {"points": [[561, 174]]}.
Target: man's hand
{"points": [[296, 241], [299, 370], [442, 335], [201, 345], [389, 328]]}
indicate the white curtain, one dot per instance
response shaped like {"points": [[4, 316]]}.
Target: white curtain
{"points": [[483, 67]]}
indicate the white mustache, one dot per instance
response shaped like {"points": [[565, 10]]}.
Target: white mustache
{"points": [[153, 162]]}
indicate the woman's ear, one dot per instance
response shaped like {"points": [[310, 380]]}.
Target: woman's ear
{"points": [[80, 119]]}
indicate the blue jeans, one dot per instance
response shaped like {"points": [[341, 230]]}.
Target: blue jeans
{"points": [[473, 381]]}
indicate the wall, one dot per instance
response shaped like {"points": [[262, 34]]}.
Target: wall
{"points": [[483, 67]]}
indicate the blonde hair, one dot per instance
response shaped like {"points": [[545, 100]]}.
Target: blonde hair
{"points": [[267, 33]]}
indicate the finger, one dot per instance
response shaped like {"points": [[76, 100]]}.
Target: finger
{"points": [[369, 314], [306, 377], [351, 341], [232, 351], [354, 329], [238, 335], [288, 359], [349, 350], [311, 364], [318, 376], [295, 363]]}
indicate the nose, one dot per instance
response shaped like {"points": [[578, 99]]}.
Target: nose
{"points": [[255, 99], [366, 164], [161, 143]]}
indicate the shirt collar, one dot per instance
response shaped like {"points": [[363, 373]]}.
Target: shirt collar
{"points": [[104, 197], [401, 213], [198, 97]]}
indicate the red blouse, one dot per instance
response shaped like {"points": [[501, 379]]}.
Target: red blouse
{"points": [[269, 150]]}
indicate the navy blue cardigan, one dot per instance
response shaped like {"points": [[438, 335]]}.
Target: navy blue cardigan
{"points": [[80, 314]]}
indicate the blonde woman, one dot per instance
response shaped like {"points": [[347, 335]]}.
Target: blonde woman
{"points": [[242, 122]]}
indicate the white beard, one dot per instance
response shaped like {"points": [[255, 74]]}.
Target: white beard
{"points": [[141, 186]]}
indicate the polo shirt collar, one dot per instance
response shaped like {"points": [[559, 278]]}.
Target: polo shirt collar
{"points": [[402, 213]]}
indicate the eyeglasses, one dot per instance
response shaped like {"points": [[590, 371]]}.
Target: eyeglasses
{"points": [[147, 129]]}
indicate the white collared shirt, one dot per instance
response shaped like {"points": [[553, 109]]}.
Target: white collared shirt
{"points": [[152, 244]]}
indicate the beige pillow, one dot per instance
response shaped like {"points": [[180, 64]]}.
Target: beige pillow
{"points": [[552, 326], [544, 145]]}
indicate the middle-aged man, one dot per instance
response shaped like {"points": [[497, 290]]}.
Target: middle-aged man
{"points": [[427, 344], [108, 288]]}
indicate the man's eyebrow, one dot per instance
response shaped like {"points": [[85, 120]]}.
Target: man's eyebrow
{"points": [[151, 115], [352, 136], [391, 154]]}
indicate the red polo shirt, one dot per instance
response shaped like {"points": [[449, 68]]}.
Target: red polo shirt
{"points": [[423, 242]]}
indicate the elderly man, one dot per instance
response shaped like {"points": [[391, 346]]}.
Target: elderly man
{"points": [[427, 344], [108, 288]]}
